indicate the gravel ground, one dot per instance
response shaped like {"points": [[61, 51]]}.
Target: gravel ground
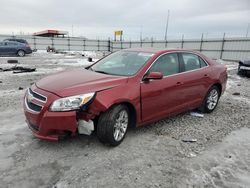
{"points": [[152, 156]]}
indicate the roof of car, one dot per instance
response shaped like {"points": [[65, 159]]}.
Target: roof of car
{"points": [[15, 39]]}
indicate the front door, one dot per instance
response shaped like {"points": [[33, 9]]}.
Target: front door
{"points": [[162, 97]]}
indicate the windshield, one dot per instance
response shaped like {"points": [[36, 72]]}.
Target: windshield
{"points": [[122, 63]]}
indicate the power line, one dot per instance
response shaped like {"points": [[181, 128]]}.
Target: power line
{"points": [[141, 33]]}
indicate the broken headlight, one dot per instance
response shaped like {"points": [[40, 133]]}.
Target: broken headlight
{"points": [[71, 103]]}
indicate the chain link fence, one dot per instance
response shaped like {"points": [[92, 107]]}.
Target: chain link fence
{"points": [[233, 49]]}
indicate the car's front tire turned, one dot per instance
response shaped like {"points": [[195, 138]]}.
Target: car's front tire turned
{"points": [[211, 100], [113, 124]]}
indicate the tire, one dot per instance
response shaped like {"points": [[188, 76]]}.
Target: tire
{"points": [[21, 53], [211, 100], [113, 125]]}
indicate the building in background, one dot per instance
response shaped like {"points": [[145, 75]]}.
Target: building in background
{"points": [[51, 33]]}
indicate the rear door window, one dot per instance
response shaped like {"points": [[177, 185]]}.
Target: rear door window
{"points": [[192, 61], [203, 63], [11, 44]]}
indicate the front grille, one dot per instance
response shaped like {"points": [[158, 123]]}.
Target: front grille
{"points": [[37, 95], [33, 101], [33, 106]]}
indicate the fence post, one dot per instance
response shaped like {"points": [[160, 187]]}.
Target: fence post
{"points": [[34, 42], [152, 42], [222, 46], [52, 42], [109, 50], [84, 44], [166, 43], [130, 44], [182, 41], [98, 45], [201, 42], [68, 43]]}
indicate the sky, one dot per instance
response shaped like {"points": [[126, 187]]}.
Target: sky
{"points": [[137, 18]]}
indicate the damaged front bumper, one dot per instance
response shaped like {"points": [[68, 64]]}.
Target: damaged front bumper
{"points": [[48, 125]]}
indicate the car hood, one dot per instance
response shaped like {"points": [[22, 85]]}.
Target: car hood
{"points": [[75, 82]]}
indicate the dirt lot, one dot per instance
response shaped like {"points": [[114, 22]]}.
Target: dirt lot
{"points": [[152, 156]]}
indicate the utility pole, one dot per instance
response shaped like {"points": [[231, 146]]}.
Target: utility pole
{"points": [[247, 29], [141, 33], [72, 30], [166, 31]]}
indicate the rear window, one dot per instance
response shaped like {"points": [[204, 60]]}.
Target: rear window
{"points": [[203, 63], [192, 61]]}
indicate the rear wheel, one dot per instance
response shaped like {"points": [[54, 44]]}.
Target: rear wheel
{"points": [[20, 53], [113, 124], [211, 100]]}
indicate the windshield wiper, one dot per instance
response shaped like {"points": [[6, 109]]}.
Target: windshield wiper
{"points": [[90, 68], [103, 72]]}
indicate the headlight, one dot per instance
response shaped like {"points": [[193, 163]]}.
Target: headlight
{"points": [[71, 103]]}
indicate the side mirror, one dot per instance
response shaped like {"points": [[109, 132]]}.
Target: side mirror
{"points": [[153, 76]]}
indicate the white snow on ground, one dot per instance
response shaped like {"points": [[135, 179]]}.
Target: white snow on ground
{"points": [[227, 164], [232, 67], [37, 72], [10, 122], [71, 62], [11, 92], [78, 62]]}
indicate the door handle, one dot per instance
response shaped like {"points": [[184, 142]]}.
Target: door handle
{"points": [[205, 75], [179, 83]]}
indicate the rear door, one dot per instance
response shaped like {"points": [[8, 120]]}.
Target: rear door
{"points": [[162, 97], [195, 78], [12, 47]]}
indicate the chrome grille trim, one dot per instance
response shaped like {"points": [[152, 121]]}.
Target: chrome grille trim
{"points": [[31, 110], [30, 92]]}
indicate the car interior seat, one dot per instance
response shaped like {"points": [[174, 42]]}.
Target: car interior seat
{"points": [[191, 64]]}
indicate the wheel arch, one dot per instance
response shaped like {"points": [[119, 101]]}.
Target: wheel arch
{"points": [[217, 84], [131, 108], [20, 50]]}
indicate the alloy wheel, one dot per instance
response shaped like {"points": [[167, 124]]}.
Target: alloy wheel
{"points": [[121, 125], [212, 99]]}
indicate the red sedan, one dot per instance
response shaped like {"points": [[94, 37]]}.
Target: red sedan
{"points": [[129, 88]]}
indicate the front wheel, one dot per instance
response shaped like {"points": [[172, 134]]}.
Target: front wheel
{"points": [[211, 100], [113, 124]]}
